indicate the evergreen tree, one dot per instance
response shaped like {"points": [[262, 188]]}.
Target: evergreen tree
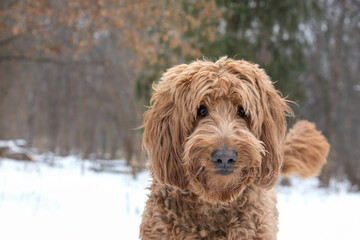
{"points": [[270, 33]]}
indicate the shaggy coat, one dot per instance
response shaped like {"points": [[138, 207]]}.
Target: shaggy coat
{"points": [[204, 108]]}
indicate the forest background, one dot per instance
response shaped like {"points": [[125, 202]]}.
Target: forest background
{"points": [[76, 75]]}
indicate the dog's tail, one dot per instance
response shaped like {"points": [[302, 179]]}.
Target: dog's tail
{"points": [[305, 151]]}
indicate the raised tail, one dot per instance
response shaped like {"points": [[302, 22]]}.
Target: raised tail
{"points": [[305, 151]]}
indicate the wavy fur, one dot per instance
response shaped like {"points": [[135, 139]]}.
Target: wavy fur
{"points": [[305, 151], [188, 199]]}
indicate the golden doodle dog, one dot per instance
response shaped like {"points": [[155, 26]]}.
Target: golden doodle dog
{"points": [[215, 140]]}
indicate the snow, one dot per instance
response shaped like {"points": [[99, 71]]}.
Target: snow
{"points": [[307, 212], [66, 202], [15, 146], [70, 201]]}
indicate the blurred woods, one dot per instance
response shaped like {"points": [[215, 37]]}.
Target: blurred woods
{"points": [[331, 85], [74, 74]]}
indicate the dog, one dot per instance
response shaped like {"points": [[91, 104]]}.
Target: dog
{"points": [[215, 140]]}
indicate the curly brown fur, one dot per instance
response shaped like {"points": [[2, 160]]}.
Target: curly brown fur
{"points": [[305, 151], [189, 199]]}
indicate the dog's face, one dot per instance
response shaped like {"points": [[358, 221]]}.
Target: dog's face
{"points": [[215, 128]]}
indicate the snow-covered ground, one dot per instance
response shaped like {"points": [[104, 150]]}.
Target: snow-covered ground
{"points": [[69, 201]]}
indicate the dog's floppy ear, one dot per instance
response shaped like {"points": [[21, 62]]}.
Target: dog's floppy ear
{"points": [[273, 129], [163, 135]]}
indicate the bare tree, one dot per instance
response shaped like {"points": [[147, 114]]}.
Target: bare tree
{"points": [[332, 85]]}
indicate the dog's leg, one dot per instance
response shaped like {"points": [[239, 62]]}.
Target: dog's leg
{"points": [[305, 151]]}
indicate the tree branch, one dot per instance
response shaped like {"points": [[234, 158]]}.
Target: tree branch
{"points": [[49, 60]]}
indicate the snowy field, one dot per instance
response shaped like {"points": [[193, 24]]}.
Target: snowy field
{"points": [[70, 201]]}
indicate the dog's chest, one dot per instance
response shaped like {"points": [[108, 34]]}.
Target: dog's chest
{"points": [[177, 216], [242, 219], [212, 222]]}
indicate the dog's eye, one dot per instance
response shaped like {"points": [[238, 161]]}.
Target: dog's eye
{"points": [[241, 112], [202, 111]]}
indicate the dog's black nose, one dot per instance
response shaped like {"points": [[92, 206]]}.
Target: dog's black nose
{"points": [[224, 157]]}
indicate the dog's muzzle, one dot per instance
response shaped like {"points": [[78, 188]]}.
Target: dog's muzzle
{"points": [[224, 159]]}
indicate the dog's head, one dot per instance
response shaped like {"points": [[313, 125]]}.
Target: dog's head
{"points": [[215, 128]]}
